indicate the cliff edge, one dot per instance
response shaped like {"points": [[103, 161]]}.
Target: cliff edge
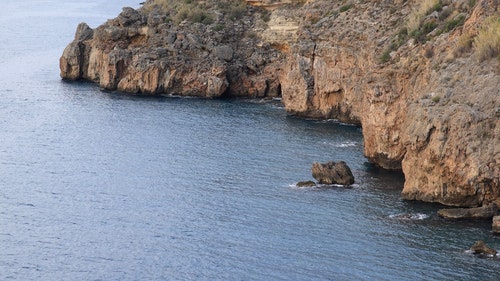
{"points": [[422, 78]]}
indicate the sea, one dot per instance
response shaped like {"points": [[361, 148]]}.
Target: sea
{"points": [[99, 185]]}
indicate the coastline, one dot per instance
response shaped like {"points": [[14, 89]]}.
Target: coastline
{"points": [[415, 117]]}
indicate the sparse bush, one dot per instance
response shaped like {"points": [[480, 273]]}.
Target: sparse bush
{"points": [[386, 56], [436, 99], [346, 7], [237, 10], [487, 42], [419, 12], [420, 34], [403, 32], [218, 27], [457, 21], [464, 44], [314, 20], [234, 10], [445, 13], [200, 16], [429, 52], [265, 15], [193, 13]]}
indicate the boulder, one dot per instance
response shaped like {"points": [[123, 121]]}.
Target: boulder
{"points": [[332, 173], [128, 16], [480, 248], [496, 225], [484, 212]]}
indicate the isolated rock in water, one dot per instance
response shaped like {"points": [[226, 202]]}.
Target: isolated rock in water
{"points": [[480, 248], [306, 184], [484, 212], [496, 225], [332, 173]]}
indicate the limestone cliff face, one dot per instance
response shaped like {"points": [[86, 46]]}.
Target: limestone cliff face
{"points": [[426, 104], [426, 108], [144, 52]]}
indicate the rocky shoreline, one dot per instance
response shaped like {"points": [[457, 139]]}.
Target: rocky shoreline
{"points": [[427, 102]]}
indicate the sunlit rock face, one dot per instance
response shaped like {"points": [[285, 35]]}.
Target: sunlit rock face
{"points": [[426, 104]]}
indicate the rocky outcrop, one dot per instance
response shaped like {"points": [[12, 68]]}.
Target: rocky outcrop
{"points": [[427, 106], [332, 173], [410, 78], [496, 225], [480, 248], [484, 212], [306, 184], [206, 53]]}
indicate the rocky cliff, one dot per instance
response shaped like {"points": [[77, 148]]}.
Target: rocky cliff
{"points": [[422, 78]]}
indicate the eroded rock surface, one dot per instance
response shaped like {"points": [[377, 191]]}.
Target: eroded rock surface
{"points": [[484, 212], [145, 52], [332, 173], [480, 248], [427, 105]]}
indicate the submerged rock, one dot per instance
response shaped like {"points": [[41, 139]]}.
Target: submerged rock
{"points": [[480, 248], [306, 184], [332, 173], [484, 212]]}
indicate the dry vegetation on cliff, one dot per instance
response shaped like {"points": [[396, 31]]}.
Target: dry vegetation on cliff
{"points": [[198, 11], [487, 42]]}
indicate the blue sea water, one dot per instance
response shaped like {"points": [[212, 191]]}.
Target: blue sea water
{"points": [[103, 186]]}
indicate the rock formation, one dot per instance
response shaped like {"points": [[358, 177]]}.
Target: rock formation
{"points": [[426, 106], [332, 173], [484, 212], [496, 225], [306, 184], [415, 80], [146, 52], [480, 248]]}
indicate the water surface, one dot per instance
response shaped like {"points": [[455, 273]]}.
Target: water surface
{"points": [[102, 186]]}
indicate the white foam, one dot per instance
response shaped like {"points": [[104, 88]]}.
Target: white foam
{"points": [[409, 216], [343, 144]]}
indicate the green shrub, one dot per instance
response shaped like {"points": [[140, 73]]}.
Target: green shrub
{"points": [[436, 99], [218, 27], [457, 21], [420, 34], [386, 56], [200, 16]]}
